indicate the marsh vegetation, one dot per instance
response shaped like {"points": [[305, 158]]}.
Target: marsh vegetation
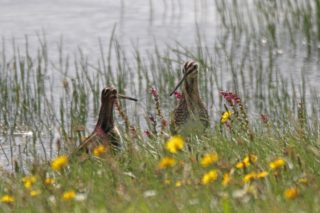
{"points": [[261, 152]]}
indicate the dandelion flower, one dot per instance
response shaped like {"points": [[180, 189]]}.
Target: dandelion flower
{"points": [[303, 180], [167, 162], [7, 199], [277, 164], [225, 116], [247, 161], [251, 158], [99, 150], [262, 174], [226, 179], [241, 165], [28, 181], [178, 183], [209, 159], [69, 195], [249, 177], [291, 193], [49, 181], [175, 144], [167, 181], [254, 175], [209, 177], [59, 162], [35, 193]]}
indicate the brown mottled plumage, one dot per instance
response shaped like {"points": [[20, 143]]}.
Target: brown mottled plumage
{"points": [[105, 132], [190, 111]]}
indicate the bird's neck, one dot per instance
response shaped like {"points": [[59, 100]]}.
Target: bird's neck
{"points": [[191, 90], [105, 122]]}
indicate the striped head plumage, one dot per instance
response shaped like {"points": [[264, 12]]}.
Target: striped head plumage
{"points": [[190, 76]]}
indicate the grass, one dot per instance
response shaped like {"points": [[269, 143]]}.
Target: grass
{"points": [[133, 182], [47, 106]]}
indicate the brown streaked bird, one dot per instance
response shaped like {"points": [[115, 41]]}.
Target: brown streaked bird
{"points": [[191, 111], [105, 132]]}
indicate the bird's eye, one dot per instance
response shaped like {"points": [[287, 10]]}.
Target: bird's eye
{"points": [[195, 66]]}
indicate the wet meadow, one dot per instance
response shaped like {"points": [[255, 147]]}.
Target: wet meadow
{"points": [[258, 79]]}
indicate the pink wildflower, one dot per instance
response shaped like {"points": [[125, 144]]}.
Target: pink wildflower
{"points": [[264, 118], [152, 119], [147, 133], [232, 98], [154, 92], [178, 95], [164, 122]]}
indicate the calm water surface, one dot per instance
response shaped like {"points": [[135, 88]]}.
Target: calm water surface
{"points": [[81, 22]]}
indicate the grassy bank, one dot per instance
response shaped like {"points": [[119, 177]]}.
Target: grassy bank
{"points": [[137, 181]]}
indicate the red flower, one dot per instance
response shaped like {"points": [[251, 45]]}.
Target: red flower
{"points": [[232, 98], [178, 95], [148, 133], [152, 119], [154, 92], [264, 118], [164, 122]]}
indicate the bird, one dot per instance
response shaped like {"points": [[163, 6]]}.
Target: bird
{"points": [[105, 132], [190, 113]]}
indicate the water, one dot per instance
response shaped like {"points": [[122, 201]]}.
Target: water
{"points": [[81, 22]]}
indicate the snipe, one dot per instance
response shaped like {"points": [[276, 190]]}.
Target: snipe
{"points": [[105, 132], [191, 113]]}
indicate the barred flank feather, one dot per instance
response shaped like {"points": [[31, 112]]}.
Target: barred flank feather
{"points": [[190, 107]]}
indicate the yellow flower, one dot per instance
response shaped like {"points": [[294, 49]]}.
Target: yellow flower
{"points": [[59, 162], [303, 180], [28, 181], [178, 183], [262, 174], [35, 193], [175, 144], [99, 150], [167, 162], [242, 164], [249, 177], [167, 181], [247, 161], [69, 195], [209, 177], [209, 159], [254, 175], [49, 181], [7, 199], [251, 158], [291, 193], [225, 116], [277, 164], [226, 179]]}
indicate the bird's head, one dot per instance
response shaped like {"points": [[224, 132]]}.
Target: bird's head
{"points": [[190, 73], [110, 94]]}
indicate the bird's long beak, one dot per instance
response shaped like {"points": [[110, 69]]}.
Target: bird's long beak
{"points": [[126, 97], [180, 82]]}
